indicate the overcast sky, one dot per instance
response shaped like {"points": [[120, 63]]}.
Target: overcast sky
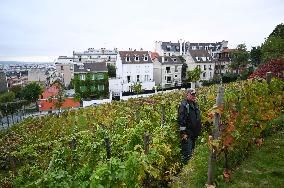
{"points": [[45, 29]]}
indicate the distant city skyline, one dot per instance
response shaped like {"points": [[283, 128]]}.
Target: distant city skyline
{"points": [[33, 30]]}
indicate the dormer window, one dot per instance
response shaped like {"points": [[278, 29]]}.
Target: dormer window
{"points": [[137, 58], [174, 59], [168, 48], [193, 47], [197, 58], [127, 59], [166, 59], [145, 58]]}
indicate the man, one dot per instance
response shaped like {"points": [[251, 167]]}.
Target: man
{"points": [[189, 121]]}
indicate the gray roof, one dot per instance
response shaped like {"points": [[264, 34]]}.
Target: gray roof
{"points": [[90, 67], [199, 54], [132, 55], [170, 60], [173, 47]]}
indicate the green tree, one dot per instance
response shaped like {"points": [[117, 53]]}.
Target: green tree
{"points": [[111, 71], [272, 48], [194, 75], [240, 58], [60, 98], [137, 88], [7, 97], [255, 55], [183, 68], [278, 31], [32, 91], [17, 90]]}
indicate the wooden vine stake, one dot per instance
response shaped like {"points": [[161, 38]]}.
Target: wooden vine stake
{"points": [[215, 135]]}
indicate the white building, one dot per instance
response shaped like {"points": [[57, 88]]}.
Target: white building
{"points": [[203, 60], [167, 71], [133, 67], [96, 55], [182, 47]]}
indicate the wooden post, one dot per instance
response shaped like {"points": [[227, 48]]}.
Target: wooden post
{"points": [[108, 151], [268, 77], [146, 143], [215, 134]]}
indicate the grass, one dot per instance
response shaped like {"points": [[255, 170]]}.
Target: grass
{"points": [[263, 168]]}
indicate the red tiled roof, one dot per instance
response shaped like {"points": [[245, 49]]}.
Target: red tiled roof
{"points": [[68, 103], [154, 55], [49, 92]]}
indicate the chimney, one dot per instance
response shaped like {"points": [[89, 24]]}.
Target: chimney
{"points": [[180, 47]]}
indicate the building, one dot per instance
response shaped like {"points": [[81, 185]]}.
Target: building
{"points": [[203, 60], [133, 67], [37, 75], [167, 71], [223, 61], [65, 69], [3, 82], [96, 55], [181, 47], [91, 80]]}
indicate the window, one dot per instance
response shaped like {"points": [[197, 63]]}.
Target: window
{"points": [[176, 76], [146, 78], [93, 77], [83, 88], [168, 69], [138, 78], [210, 67], [101, 87], [145, 58], [100, 76], [176, 68], [193, 47], [210, 74], [166, 59], [109, 58], [206, 47], [127, 59], [174, 59], [136, 58], [197, 58], [169, 79], [204, 67], [204, 75], [82, 76], [128, 79], [62, 67]]}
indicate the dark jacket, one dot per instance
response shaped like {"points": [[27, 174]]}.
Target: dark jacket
{"points": [[189, 118]]}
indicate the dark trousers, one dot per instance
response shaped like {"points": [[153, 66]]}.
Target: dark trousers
{"points": [[187, 147]]}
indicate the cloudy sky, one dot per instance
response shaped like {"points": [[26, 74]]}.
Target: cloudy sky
{"points": [[44, 29]]}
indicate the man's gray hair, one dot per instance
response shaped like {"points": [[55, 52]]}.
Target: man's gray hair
{"points": [[191, 91]]}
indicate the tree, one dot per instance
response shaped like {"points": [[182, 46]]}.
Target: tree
{"points": [[255, 56], [137, 88], [240, 58], [194, 75], [32, 91], [273, 47], [278, 31], [183, 68], [7, 97], [17, 90], [59, 98], [111, 71]]}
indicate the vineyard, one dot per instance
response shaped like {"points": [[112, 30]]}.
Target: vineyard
{"points": [[104, 146]]}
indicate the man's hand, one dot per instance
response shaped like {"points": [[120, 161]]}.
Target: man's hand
{"points": [[184, 136]]}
